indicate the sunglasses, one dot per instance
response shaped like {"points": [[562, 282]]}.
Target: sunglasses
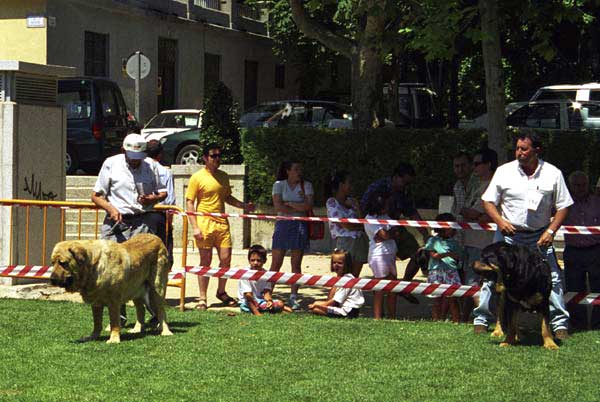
{"points": [[214, 156], [477, 163]]}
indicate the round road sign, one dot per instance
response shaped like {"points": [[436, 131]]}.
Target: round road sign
{"points": [[132, 65]]}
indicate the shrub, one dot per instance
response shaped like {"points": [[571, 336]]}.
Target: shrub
{"points": [[368, 155], [220, 122], [372, 154]]}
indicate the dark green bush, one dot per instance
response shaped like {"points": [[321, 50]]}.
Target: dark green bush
{"points": [[370, 155], [220, 122]]}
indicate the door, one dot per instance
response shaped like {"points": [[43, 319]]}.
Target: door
{"points": [[167, 78], [250, 84]]}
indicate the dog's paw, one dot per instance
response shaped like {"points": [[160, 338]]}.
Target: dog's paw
{"points": [[137, 328], [497, 333], [551, 346], [166, 332], [114, 340], [505, 344]]}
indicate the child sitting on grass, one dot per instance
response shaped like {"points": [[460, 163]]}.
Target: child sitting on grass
{"points": [[342, 302], [444, 253], [255, 296]]}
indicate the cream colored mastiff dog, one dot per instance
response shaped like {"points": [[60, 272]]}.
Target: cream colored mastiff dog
{"points": [[107, 273]]}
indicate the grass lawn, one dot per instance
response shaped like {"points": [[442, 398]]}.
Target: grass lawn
{"points": [[297, 357]]}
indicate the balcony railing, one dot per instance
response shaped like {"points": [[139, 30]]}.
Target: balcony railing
{"points": [[242, 10], [212, 4]]}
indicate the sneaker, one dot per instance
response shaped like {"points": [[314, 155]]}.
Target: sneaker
{"points": [[561, 334], [479, 329], [294, 304]]}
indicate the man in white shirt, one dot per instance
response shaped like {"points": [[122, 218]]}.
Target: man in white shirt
{"points": [[521, 199], [127, 188]]}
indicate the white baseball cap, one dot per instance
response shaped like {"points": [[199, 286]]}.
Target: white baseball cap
{"points": [[135, 146]]}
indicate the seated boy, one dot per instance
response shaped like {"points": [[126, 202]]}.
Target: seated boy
{"points": [[255, 296]]}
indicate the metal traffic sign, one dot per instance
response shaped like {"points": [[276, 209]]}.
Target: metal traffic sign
{"points": [[138, 62]]}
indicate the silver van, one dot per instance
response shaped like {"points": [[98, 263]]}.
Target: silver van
{"points": [[579, 93]]}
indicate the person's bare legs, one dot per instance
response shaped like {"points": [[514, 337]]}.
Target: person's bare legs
{"points": [[356, 268], [392, 300], [296, 263], [378, 305], [454, 310], [436, 309], [277, 256], [224, 262], [205, 261]]}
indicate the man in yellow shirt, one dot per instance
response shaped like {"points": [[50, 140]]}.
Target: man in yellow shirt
{"points": [[208, 191]]}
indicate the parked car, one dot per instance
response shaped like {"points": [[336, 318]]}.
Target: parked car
{"points": [[169, 122], [181, 148], [481, 121], [556, 114], [297, 113], [96, 121], [415, 108], [580, 93]]}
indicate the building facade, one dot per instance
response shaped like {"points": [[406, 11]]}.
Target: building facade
{"points": [[190, 44]]}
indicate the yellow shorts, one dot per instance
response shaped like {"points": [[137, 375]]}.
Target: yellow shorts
{"points": [[214, 234]]}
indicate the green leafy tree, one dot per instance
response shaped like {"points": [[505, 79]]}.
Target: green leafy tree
{"points": [[220, 122]]}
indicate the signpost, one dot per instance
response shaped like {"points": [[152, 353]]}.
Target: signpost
{"points": [[138, 68]]}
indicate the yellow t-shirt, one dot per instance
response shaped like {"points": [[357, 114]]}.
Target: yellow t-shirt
{"points": [[209, 191]]}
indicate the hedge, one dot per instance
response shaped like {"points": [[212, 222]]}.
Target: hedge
{"points": [[372, 154]]}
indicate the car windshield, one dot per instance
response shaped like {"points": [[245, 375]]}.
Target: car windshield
{"points": [[552, 94], [174, 120], [261, 112], [75, 97]]}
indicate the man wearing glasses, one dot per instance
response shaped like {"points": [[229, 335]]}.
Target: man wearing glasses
{"points": [[207, 192]]}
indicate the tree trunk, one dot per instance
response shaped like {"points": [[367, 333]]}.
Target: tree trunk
{"points": [[367, 88], [453, 118], [364, 53], [494, 83]]}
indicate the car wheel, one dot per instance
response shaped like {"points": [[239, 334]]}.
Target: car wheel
{"points": [[188, 155], [71, 161]]}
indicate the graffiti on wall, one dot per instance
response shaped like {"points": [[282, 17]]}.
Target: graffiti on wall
{"points": [[35, 188]]}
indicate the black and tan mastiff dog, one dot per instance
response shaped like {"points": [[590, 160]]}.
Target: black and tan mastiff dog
{"points": [[107, 273], [523, 282]]}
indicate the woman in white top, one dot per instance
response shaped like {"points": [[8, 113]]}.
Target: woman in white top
{"points": [[347, 236], [292, 196]]}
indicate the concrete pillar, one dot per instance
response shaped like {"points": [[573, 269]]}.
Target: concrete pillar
{"points": [[32, 154]]}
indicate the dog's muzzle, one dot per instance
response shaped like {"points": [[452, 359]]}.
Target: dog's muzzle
{"points": [[66, 282]]}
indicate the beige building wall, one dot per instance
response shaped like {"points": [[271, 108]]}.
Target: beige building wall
{"points": [[132, 29], [17, 42]]}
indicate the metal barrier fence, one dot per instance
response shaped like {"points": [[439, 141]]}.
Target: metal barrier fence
{"points": [[61, 206]]}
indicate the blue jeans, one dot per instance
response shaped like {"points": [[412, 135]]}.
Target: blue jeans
{"points": [[559, 317]]}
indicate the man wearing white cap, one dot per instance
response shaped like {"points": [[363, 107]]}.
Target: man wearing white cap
{"points": [[127, 188]]}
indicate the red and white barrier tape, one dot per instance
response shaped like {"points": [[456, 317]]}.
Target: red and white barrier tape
{"points": [[44, 272], [393, 222], [416, 288], [583, 230]]}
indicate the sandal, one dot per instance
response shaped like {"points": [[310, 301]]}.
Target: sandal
{"points": [[226, 299], [202, 306]]}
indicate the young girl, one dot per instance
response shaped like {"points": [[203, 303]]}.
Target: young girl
{"points": [[444, 253], [342, 302], [382, 251]]}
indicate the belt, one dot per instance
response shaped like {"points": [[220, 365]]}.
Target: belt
{"points": [[127, 217]]}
